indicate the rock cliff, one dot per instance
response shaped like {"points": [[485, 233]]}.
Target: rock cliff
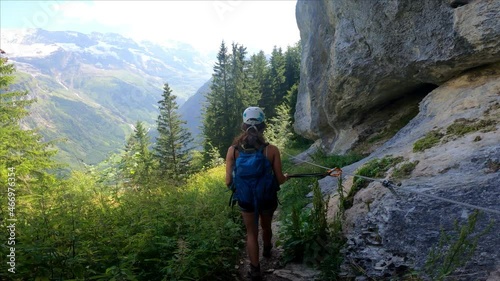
{"points": [[360, 58], [367, 65]]}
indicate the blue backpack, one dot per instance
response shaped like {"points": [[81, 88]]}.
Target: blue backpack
{"points": [[254, 182]]}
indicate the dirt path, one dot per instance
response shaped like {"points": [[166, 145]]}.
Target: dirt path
{"points": [[267, 265], [271, 268]]}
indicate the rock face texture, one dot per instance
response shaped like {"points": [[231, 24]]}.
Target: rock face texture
{"points": [[386, 234], [359, 60], [360, 57]]}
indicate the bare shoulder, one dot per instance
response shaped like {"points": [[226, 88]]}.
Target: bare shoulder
{"points": [[272, 149], [230, 152]]}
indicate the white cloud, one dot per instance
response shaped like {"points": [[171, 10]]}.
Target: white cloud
{"points": [[204, 24]]}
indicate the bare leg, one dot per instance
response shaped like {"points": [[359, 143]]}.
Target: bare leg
{"points": [[252, 237], [267, 232]]}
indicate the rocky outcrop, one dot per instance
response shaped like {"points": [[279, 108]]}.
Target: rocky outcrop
{"points": [[388, 235], [360, 58], [369, 64]]}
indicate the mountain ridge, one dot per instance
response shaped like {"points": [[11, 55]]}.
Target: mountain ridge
{"points": [[92, 88]]}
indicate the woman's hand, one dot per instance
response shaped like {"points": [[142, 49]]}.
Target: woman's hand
{"points": [[286, 177]]}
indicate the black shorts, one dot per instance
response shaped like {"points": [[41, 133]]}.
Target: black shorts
{"points": [[266, 208]]}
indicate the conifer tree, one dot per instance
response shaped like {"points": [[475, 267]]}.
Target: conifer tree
{"points": [[244, 91], [22, 151], [137, 162], [292, 65], [24, 159], [258, 71], [174, 141], [215, 116], [276, 79], [232, 90]]}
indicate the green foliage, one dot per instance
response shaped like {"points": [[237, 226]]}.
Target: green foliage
{"points": [[404, 170], [292, 66], [173, 145], [458, 128], [92, 227], [258, 69], [306, 232], [429, 140], [376, 168], [212, 157], [454, 250], [293, 196], [137, 164], [80, 229], [277, 87], [22, 150], [463, 126], [238, 82], [333, 161], [279, 131], [330, 266], [307, 236], [218, 115]]}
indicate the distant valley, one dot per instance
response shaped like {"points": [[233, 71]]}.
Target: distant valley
{"points": [[91, 88]]}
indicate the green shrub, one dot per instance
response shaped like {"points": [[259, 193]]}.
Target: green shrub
{"points": [[454, 250], [464, 126], [429, 140], [375, 168], [304, 231], [330, 266], [80, 229], [404, 170], [459, 128]]}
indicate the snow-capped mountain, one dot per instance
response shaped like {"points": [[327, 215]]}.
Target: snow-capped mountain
{"points": [[91, 88]]}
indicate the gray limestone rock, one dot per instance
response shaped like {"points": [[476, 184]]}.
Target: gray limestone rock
{"points": [[361, 57], [388, 235]]}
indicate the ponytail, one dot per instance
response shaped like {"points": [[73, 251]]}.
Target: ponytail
{"points": [[252, 136]]}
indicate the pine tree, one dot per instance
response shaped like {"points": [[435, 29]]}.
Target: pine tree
{"points": [[22, 151], [277, 83], [292, 65], [232, 90], [258, 72], [137, 161], [244, 90], [174, 141], [215, 116], [25, 160]]}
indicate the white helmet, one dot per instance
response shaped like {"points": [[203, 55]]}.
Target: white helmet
{"points": [[253, 116]]}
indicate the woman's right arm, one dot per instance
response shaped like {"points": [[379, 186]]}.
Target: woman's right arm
{"points": [[229, 165]]}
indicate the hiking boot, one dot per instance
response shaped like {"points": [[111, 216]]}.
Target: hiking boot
{"points": [[267, 251], [254, 273]]}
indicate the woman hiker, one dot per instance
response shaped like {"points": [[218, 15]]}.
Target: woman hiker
{"points": [[248, 184]]}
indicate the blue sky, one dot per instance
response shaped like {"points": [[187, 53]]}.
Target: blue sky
{"points": [[258, 25]]}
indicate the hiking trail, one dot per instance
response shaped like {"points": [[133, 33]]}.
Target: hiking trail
{"points": [[271, 268]]}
